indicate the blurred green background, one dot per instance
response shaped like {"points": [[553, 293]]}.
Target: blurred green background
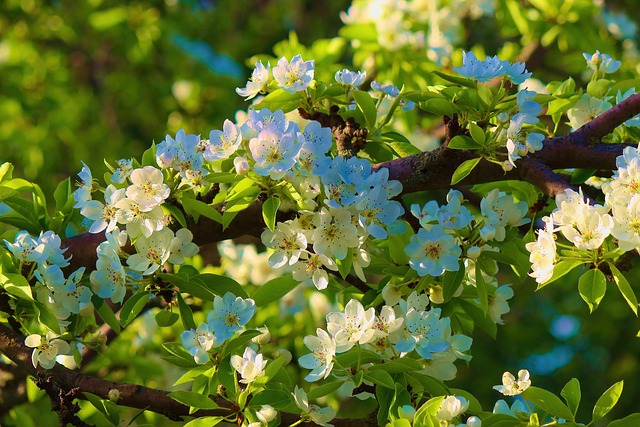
{"points": [[102, 79]]}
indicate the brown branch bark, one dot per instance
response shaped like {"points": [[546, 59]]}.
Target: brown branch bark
{"points": [[131, 395]]}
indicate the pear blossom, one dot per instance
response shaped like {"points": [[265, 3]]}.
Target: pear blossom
{"points": [[26, 249], [334, 233], [223, 143], [274, 152], [45, 349], [83, 194], [250, 365], [104, 216], [491, 67], [498, 304], [451, 407], [323, 349], [139, 222], [148, 188], [257, 82], [294, 76], [318, 415], [151, 252], [512, 387], [601, 62], [123, 171], [230, 314], [499, 211], [265, 415], [433, 252], [182, 246], [199, 342], [288, 243], [350, 78], [109, 278], [425, 333], [354, 325], [586, 109], [182, 154]]}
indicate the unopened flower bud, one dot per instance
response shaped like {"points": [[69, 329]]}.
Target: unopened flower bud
{"points": [[266, 414], [507, 166], [407, 412], [283, 353], [474, 252], [114, 394], [241, 164], [487, 233], [263, 338], [435, 294], [474, 422]]}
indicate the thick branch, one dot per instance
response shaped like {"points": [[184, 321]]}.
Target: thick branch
{"points": [[132, 395]]}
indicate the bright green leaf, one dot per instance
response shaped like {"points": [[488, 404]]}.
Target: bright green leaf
{"points": [[269, 211], [592, 287], [464, 169], [607, 401]]}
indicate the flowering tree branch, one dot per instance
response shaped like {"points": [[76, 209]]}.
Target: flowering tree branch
{"points": [[131, 395]]}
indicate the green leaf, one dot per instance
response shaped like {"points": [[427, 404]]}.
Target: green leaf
{"points": [[193, 287], [439, 107], [464, 169], [631, 420], [149, 156], [196, 208], [276, 398], [324, 389], [269, 211], [477, 133], [241, 340], [344, 265], [607, 401], [380, 377], [132, 307], [460, 81], [451, 281], [191, 374], [625, 288], [572, 394], [280, 99], [96, 401], [166, 318], [367, 106], [404, 364], [481, 287], [112, 412], [193, 400], [220, 285], [16, 285], [463, 142], [105, 313], [186, 315], [274, 289], [175, 213], [204, 422], [548, 402], [560, 269], [386, 398], [592, 287]]}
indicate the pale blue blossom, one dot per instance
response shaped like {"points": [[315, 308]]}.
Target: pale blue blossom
{"points": [[199, 342], [83, 194], [350, 78], [491, 67], [387, 89], [634, 121], [222, 143], [425, 333], [433, 252], [230, 314], [601, 62]]}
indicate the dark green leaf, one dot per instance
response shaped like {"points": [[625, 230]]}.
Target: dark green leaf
{"points": [[463, 142], [194, 400], [105, 312], [166, 318], [132, 307], [380, 377], [625, 288]]}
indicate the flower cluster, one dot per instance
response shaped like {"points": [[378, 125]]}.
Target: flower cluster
{"points": [[424, 331], [519, 142], [294, 76], [490, 68], [229, 315]]}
